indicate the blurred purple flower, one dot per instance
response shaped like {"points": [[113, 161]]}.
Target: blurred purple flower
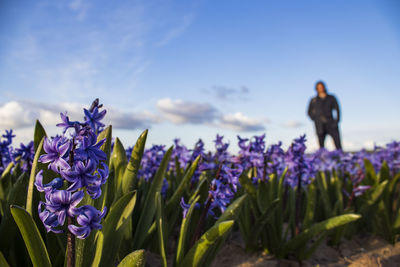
{"points": [[93, 118]]}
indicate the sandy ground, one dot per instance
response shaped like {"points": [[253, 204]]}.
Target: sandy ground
{"points": [[358, 252]]}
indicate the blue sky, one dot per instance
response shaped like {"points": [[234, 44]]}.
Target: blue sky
{"points": [[191, 69]]}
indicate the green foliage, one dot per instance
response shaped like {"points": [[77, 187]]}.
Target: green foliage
{"points": [[134, 259], [146, 218], [33, 240], [35, 169], [129, 181], [299, 243], [160, 225], [3, 261], [196, 254], [39, 133], [182, 241], [108, 240], [270, 215]]}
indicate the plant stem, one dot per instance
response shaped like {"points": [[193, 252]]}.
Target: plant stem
{"points": [[298, 205], [70, 246], [202, 219], [71, 236]]}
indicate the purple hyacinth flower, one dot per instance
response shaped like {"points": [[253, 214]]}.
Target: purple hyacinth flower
{"points": [[242, 143], [81, 175], [221, 196], [231, 176], [66, 123], [63, 203], [89, 218], [359, 190], [89, 149], [103, 173], [93, 118], [186, 207], [56, 151], [55, 184], [9, 136], [49, 219], [26, 154]]}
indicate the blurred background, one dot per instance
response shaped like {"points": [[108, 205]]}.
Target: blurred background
{"points": [[192, 69]]}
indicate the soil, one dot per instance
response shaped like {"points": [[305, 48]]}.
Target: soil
{"points": [[360, 251]]}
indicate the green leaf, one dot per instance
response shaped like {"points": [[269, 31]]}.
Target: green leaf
{"points": [[159, 220], [370, 172], [38, 135], [34, 171], [16, 197], [100, 202], [3, 261], [305, 236], [131, 171], [311, 203], [30, 233], [174, 200], [248, 185], [280, 184], [7, 170], [134, 259], [260, 223], [323, 189], [377, 192], [149, 208], [263, 196], [196, 254], [233, 210], [231, 213], [384, 173], [202, 186], [119, 162], [106, 147], [109, 238], [181, 248]]}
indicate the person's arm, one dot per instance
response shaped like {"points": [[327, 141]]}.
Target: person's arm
{"points": [[336, 107], [311, 109]]}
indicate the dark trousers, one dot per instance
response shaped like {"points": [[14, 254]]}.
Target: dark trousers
{"points": [[329, 128]]}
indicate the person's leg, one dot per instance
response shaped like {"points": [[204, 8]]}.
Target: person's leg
{"points": [[334, 132], [321, 133], [321, 140]]}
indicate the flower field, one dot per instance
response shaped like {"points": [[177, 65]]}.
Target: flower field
{"points": [[81, 199]]}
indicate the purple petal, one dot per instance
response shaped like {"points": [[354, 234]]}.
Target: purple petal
{"points": [[63, 148], [76, 198], [61, 217]]}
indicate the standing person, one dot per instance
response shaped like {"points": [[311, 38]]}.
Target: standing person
{"points": [[324, 111]]}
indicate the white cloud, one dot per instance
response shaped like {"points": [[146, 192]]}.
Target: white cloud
{"points": [[369, 144], [23, 114], [179, 111], [293, 124], [14, 115], [240, 122], [187, 112], [129, 121]]}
